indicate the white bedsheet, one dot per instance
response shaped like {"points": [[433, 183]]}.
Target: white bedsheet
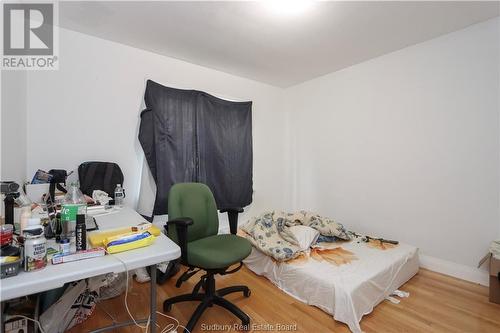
{"points": [[348, 291]]}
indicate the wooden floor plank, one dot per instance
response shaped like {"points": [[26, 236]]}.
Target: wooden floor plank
{"points": [[437, 303]]}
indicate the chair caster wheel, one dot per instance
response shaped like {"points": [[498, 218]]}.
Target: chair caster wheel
{"points": [[247, 293], [167, 307]]}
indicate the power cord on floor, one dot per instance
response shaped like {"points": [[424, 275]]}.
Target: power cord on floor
{"points": [[166, 329], [171, 327], [126, 294]]}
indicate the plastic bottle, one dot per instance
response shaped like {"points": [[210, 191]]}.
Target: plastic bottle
{"points": [[25, 203], [119, 195], [73, 205], [25, 216]]}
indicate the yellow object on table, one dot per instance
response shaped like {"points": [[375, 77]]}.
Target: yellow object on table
{"points": [[9, 259], [130, 245], [98, 238]]}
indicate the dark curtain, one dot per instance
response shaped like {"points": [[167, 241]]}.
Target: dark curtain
{"points": [[167, 136], [191, 136], [224, 137]]}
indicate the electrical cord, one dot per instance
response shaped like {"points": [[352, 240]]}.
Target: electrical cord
{"points": [[166, 329], [126, 294], [171, 327]]}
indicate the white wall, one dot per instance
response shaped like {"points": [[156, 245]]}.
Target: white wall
{"points": [[13, 126], [93, 103], [406, 146]]}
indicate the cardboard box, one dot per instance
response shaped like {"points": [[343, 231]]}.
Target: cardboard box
{"points": [[494, 280]]}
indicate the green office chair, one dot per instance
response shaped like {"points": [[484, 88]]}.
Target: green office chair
{"points": [[193, 212]]}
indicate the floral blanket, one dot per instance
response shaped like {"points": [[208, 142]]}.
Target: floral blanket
{"points": [[269, 232]]}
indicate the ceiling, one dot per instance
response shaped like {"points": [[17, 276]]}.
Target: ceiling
{"points": [[249, 40]]}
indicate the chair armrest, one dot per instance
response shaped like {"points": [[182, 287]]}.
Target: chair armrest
{"points": [[182, 221], [232, 215], [181, 226]]}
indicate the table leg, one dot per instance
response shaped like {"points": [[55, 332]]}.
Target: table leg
{"points": [[2, 318], [37, 314], [152, 273], [152, 309]]}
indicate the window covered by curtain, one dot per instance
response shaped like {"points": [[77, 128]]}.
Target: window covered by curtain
{"points": [[192, 136]]}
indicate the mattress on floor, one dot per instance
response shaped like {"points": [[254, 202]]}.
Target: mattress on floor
{"points": [[346, 282]]}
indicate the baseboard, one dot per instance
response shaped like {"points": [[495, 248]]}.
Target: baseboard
{"points": [[471, 274]]}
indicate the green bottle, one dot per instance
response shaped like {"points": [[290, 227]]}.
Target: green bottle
{"points": [[74, 204]]}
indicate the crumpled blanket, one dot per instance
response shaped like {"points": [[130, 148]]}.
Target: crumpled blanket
{"points": [[269, 232]]}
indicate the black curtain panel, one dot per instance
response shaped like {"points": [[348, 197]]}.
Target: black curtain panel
{"points": [[224, 146], [167, 136], [192, 136]]}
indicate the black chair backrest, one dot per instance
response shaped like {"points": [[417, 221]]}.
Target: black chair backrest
{"points": [[102, 176]]}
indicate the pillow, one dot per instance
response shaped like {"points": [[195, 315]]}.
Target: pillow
{"points": [[305, 236]]}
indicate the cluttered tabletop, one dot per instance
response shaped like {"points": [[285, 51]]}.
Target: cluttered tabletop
{"points": [[102, 240]]}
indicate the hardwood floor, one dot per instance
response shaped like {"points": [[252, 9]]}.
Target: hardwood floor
{"points": [[437, 303]]}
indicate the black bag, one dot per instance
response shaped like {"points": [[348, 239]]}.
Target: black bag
{"points": [[173, 267], [102, 176]]}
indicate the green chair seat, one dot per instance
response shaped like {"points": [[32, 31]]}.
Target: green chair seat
{"points": [[218, 251]]}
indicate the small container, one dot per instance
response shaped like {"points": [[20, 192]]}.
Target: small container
{"points": [[35, 249], [81, 233], [11, 260], [6, 232], [10, 269], [65, 246], [119, 195]]}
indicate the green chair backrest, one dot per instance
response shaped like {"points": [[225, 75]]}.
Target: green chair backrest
{"points": [[196, 201]]}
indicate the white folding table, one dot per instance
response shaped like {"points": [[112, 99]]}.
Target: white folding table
{"points": [[55, 276]]}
